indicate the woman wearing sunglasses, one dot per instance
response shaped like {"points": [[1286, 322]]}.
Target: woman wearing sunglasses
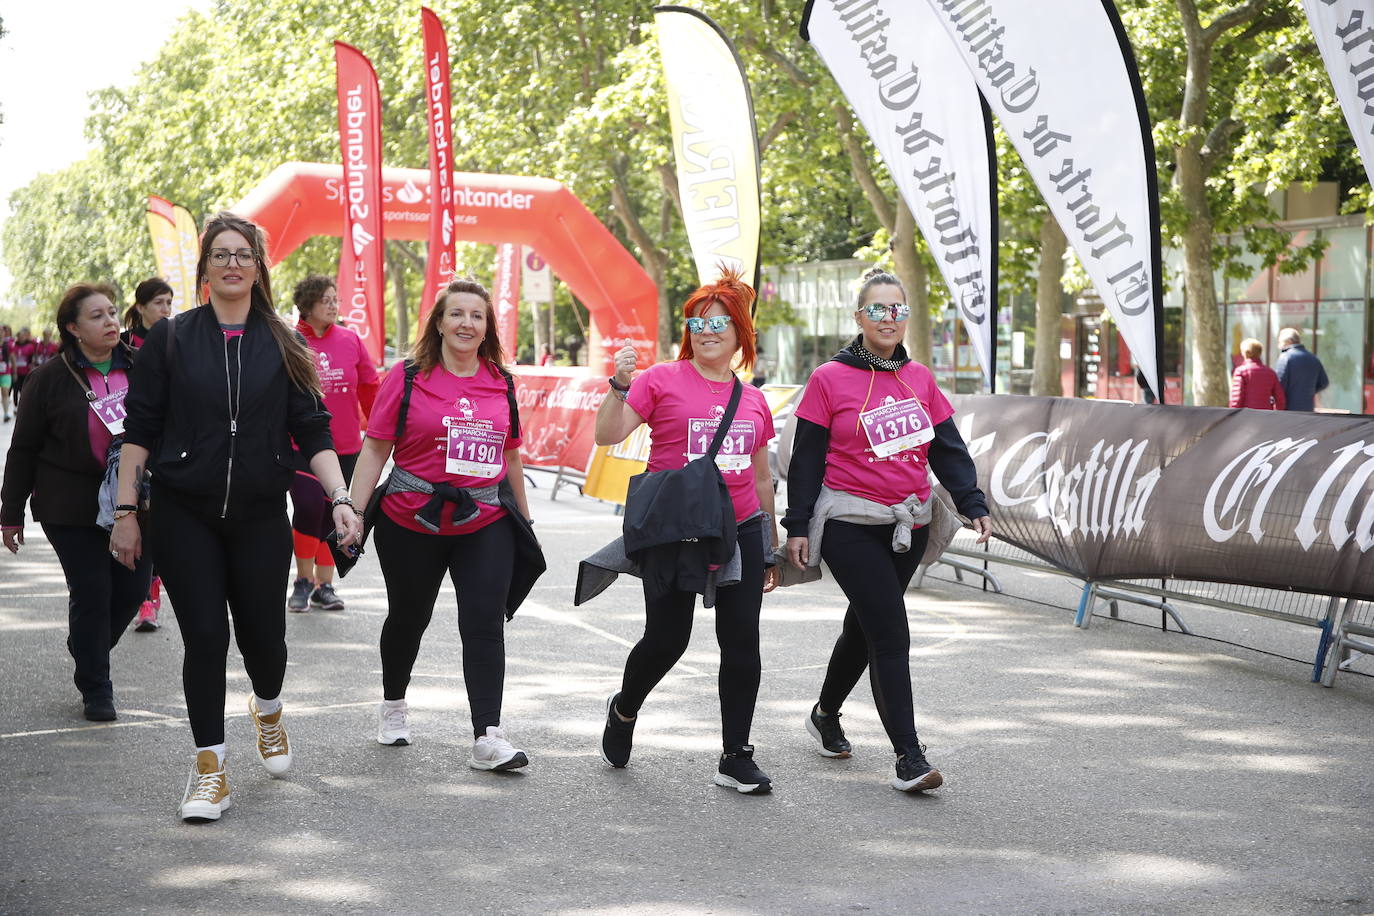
{"points": [[869, 424], [683, 402]]}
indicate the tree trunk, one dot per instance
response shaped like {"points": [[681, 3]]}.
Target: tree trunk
{"points": [[911, 270], [540, 329], [1210, 383], [1049, 296]]}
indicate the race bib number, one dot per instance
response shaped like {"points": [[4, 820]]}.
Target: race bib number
{"points": [[473, 451], [110, 410], [897, 427], [736, 449]]}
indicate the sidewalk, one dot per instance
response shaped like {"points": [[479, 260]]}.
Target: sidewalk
{"points": [[1113, 770]]}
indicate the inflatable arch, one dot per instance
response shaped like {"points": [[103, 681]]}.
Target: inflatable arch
{"points": [[299, 200]]}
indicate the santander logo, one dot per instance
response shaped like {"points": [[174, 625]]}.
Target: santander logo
{"points": [[361, 239], [409, 193]]}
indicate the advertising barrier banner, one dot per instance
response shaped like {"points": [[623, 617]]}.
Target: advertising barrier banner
{"points": [[715, 142], [1277, 500], [1079, 122], [908, 85], [1345, 35], [361, 306], [558, 416], [439, 265]]}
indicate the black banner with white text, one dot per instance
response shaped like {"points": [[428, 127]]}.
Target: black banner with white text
{"points": [[1112, 491]]}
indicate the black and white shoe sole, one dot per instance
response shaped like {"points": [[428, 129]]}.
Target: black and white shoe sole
{"points": [[393, 742], [824, 751], [510, 763], [931, 780], [743, 788]]}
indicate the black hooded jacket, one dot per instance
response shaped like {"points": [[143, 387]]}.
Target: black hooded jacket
{"points": [[948, 457]]}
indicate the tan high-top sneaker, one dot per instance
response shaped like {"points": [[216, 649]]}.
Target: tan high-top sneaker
{"points": [[273, 749], [207, 790]]}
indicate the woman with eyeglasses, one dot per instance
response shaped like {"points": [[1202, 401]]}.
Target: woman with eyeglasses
{"points": [[349, 382], [217, 396], [152, 303], [870, 424], [70, 421], [683, 401]]}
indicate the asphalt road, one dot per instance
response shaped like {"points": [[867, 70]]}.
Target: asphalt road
{"points": [[1114, 770]]}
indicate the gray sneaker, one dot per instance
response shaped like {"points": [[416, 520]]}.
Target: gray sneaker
{"points": [[300, 596], [325, 598]]}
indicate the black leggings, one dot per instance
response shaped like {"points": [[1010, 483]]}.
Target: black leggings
{"points": [[875, 632], [205, 563], [668, 630], [313, 514], [480, 565], [102, 597]]}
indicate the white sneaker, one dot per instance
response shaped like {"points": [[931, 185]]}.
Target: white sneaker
{"points": [[493, 752], [207, 790], [392, 727], [274, 750]]}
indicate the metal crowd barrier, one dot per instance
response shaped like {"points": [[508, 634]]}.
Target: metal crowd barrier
{"points": [[1344, 624]]}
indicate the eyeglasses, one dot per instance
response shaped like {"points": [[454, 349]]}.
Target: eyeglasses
{"points": [[877, 311], [244, 257], [716, 323]]}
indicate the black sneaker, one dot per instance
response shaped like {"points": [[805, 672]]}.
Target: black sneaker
{"points": [[324, 598], [98, 709], [618, 736], [738, 771], [914, 772], [827, 730], [300, 596]]}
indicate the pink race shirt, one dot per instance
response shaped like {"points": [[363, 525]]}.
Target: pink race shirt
{"points": [[683, 411], [343, 365], [105, 417], [457, 432], [879, 436]]}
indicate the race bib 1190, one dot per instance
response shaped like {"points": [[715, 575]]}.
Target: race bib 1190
{"points": [[474, 451]]}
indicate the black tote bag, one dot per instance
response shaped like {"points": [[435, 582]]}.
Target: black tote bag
{"points": [[690, 503]]}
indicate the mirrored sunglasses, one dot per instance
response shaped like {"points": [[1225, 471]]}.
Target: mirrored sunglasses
{"points": [[716, 324], [877, 311]]}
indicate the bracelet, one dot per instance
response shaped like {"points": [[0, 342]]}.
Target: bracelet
{"points": [[125, 507], [616, 386], [123, 514], [344, 500], [623, 395], [344, 487]]}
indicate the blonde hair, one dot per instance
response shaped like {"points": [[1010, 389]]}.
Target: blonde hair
{"points": [[1251, 348]]}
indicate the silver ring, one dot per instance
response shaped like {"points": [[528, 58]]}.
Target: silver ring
{"points": [[115, 554]]}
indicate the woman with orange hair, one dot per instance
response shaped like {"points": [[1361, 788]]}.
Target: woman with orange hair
{"points": [[684, 401]]}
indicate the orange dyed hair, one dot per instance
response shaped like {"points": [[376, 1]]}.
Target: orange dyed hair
{"points": [[738, 298]]}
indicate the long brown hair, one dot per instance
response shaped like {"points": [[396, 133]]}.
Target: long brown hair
{"points": [[429, 346], [295, 355]]}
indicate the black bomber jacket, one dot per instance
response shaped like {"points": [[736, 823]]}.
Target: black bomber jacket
{"points": [[219, 421]]}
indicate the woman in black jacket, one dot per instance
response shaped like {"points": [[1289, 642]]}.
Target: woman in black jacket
{"points": [[70, 420], [217, 396]]}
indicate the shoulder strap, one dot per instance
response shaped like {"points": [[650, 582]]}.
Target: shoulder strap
{"points": [[171, 341], [725, 421], [412, 369], [80, 379]]}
